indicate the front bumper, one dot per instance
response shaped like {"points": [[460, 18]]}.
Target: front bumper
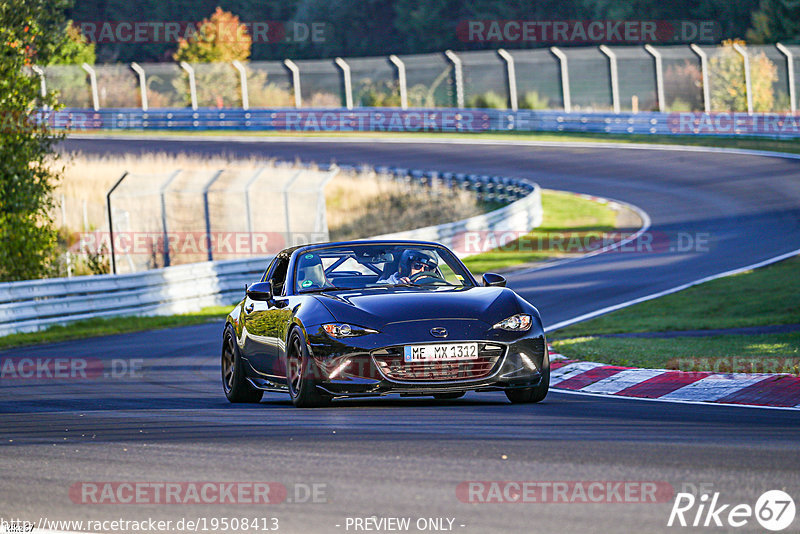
{"points": [[357, 366]]}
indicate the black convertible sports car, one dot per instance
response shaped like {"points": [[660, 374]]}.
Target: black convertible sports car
{"points": [[368, 318]]}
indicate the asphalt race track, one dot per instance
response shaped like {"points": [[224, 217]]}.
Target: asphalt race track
{"points": [[168, 421]]}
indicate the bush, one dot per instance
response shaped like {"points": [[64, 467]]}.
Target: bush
{"points": [[532, 100], [685, 80], [728, 88], [487, 100], [264, 94], [380, 94]]}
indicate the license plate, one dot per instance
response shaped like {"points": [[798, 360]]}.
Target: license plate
{"points": [[437, 352]]}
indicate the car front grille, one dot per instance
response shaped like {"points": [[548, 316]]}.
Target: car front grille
{"points": [[391, 364]]}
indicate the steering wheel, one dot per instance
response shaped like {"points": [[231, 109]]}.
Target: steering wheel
{"points": [[425, 278]]}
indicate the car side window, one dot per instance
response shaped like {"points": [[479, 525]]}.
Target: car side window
{"points": [[277, 274], [270, 268]]}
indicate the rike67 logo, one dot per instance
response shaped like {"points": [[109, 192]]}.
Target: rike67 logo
{"points": [[774, 510]]}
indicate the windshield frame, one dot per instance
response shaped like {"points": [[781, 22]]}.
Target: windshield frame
{"points": [[444, 253]]}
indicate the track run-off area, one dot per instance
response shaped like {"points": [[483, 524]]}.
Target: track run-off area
{"points": [[395, 458]]}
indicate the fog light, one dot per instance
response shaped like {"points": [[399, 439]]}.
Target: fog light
{"points": [[527, 362], [339, 369]]}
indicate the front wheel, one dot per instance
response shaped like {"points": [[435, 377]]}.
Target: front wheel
{"points": [[530, 395], [300, 374], [237, 388]]}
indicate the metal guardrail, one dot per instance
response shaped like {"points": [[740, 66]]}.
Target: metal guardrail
{"points": [[770, 125], [36, 304], [524, 213]]}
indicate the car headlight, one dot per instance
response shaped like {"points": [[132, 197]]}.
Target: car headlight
{"points": [[340, 330], [516, 323]]}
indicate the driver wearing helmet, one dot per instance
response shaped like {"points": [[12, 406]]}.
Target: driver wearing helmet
{"points": [[412, 263]]}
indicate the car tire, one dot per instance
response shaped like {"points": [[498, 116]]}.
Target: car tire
{"points": [[449, 396], [300, 374], [530, 395], [234, 383]]}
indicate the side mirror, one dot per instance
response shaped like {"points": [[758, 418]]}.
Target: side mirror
{"points": [[260, 291], [493, 280]]}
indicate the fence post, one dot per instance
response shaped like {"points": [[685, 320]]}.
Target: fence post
{"points": [[247, 208], [348, 86], [512, 78], [93, 84], [163, 193], [192, 84], [401, 80], [704, 69], [565, 91], [659, 64], [207, 213], [612, 63], [42, 84], [459, 77], [321, 223], [748, 83], [243, 83], [790, 72], [111, 221], [292, 66], [285, 192], [142, 83]]}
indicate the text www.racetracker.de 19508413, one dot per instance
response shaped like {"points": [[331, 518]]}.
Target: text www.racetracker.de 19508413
{"points": [[149, 524]]}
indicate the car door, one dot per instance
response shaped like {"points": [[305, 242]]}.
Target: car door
{"points": [[264, 324]]}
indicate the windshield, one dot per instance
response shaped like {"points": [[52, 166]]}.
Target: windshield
{"points": [[375, 266]]}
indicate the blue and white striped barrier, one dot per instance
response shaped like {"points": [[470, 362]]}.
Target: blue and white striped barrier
{"points": [[771, 125]]}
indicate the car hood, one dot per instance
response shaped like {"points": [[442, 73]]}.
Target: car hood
{"points": [[376, 308]]}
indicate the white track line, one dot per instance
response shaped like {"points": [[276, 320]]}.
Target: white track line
{"points": [[715, 387], [622, 380], [675, 289], [566, 372], [673, 401], [643, 215]]}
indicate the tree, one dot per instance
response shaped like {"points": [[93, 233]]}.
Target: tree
{"points": [[776, 21], [728, 88], [219, 38], [74, 49], [30, 32]]}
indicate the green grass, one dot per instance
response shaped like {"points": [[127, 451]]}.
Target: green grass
{"points": [[113, 325], [750, 143], [762, 297], [773, 353], [563, 212]]}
